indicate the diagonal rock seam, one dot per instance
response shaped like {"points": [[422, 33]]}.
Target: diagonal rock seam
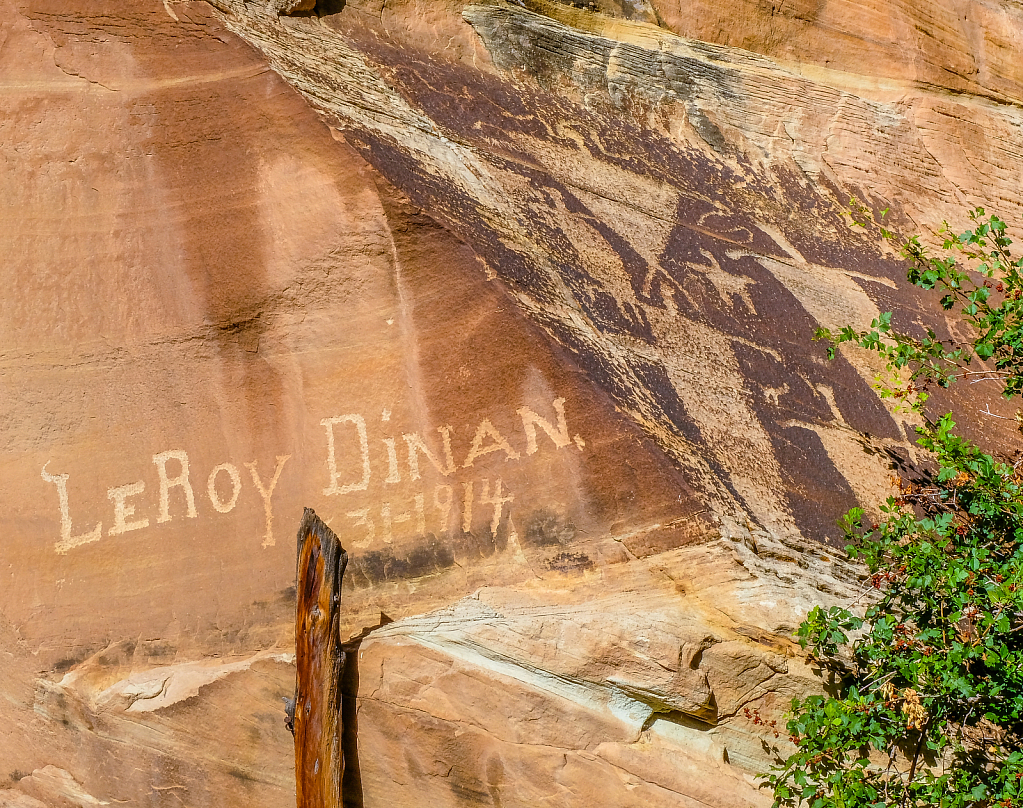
{"points": [[619, 65]]}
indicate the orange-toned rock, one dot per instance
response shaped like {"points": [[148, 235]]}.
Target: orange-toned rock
{"points": [[214, 315], [519, 300]]}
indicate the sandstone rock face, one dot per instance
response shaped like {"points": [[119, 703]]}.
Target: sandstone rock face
{"points": [[519, 300], [634, 690]]}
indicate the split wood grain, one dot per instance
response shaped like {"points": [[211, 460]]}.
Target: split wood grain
{"points": [[319, 763]]}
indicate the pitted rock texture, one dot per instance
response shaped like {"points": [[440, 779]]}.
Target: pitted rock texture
{"points": [[519, 299]]}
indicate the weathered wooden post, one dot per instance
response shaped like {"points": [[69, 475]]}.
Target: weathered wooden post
{"points": [[315, 714]]}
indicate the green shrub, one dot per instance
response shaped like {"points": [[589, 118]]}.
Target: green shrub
{"points": [[928, 704]]}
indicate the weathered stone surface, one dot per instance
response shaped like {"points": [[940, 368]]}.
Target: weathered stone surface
{"points": [[519, 300], [166, 734], [966, 47], [619, 692], [291, 6], [196, 270], [667, 210], [55, 786], [352, 308], [9, 798]]}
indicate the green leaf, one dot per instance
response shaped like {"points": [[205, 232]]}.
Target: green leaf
{"points": [[936, 663]]}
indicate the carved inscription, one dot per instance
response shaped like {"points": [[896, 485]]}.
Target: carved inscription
{"points": [[169, 491], [440, 509], [176, 497]]}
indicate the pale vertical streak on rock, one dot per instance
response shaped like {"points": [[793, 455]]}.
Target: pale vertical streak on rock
{"points": [[734, 106], [337, 80]]}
